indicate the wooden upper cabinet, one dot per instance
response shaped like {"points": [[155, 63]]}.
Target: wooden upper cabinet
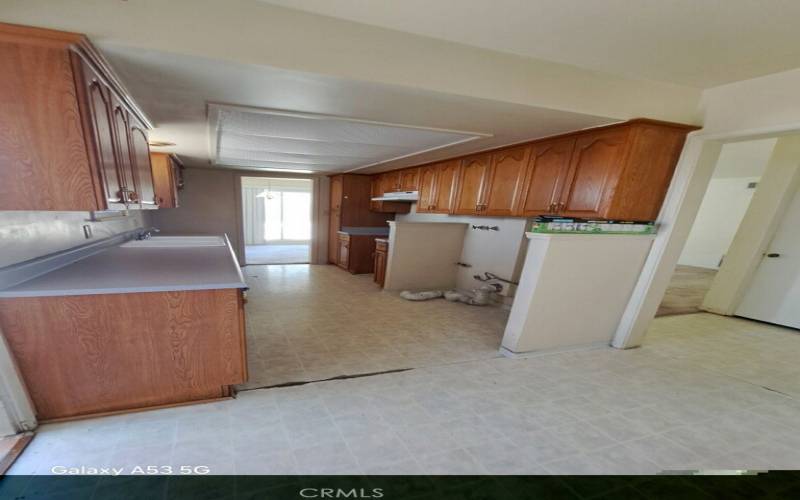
{"points": [[409, 179], [502, 187], [427, 186], [390, 181], [375, 191], [142, 168], [596, 164], [61, 146], [44, 163], [98, 112], [436, 183], [166, 176], [446, 176], [547, 169], [616, 172], [472, 175]]}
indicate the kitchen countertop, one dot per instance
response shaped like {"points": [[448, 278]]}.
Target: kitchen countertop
{"points": [[122, 269], [367, 231]]}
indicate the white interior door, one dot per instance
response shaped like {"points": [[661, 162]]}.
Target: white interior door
{"points": [[774, 294]]}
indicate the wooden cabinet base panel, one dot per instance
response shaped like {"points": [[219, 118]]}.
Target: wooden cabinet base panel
{"points": [[228, 391], [90, 354]]}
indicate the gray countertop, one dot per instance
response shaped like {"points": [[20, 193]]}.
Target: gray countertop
{"points": [[368, 231], [138, 269]]}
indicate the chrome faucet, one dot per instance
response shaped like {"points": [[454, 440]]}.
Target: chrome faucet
{"points": [[146, 234]]}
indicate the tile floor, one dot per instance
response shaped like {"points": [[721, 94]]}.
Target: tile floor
{"points": [[686, 291], [276, 254], [704, 392], [316, 322]]}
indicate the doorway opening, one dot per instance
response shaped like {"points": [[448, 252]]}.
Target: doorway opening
{"points": [[734, 181], [276, 220]]}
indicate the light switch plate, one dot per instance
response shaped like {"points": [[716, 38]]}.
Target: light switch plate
{"points": [[87, 231]]}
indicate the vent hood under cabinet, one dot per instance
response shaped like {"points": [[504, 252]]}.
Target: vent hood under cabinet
{"points": [[409, 196]]}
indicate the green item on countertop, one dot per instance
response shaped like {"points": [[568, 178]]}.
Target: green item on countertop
{"points": [[575, 226]]}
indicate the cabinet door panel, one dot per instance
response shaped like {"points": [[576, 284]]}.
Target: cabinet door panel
{"points": [[99, 110], [390, 181], [596, 163], [123, 147], [547, 169], [427, 187], [504, 181], [409, 179], [344, 253], [141, 167], [446, 176], [334, 224], [471, 177], [375, 192]]}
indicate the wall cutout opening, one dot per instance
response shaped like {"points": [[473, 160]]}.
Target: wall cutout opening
{"points": [[276, 220]]}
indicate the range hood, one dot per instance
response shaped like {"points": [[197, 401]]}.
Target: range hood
{"points": [[409, 196]]}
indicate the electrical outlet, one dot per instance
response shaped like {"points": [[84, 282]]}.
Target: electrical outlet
{"points": [[87, 231]]}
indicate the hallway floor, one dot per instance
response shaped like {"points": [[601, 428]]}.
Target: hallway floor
{"points": [[316, 322], [686, 290], [276, 254], [705, 392]]}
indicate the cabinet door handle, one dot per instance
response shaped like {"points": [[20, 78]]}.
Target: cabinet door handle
{"points": [[561, 206], [551, 208]]}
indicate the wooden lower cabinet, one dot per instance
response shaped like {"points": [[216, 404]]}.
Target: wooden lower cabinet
{"points": [[355, 252], [381, 256], [90, 354], [343, 252]]}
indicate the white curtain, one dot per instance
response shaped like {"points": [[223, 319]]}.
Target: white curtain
{"points": [[254, 215], [289, 205]]}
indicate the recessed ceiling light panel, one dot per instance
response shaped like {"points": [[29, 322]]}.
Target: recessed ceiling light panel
{"points": [[279, 140]]}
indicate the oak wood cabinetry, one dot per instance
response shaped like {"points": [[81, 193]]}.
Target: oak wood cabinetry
{"points": [[469, 199], [381, 256], [545, 173], [409, 179], [166, 179], [350, 207], [72, 139], [503, 184], [379, 185], [343, 254], [436, 183], [619, 171], [355, 252], [89, 354]]}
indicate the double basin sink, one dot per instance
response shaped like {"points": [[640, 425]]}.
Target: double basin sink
{"points": [[176, 242]]}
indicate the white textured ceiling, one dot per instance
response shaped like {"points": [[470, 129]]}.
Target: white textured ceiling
{"points": [[175, 89], [271, 139], [699, 43]]}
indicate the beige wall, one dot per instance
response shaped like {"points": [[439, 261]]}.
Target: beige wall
{"points": [[210, 203], [207, 205], [423, 256], [500, 252]]}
